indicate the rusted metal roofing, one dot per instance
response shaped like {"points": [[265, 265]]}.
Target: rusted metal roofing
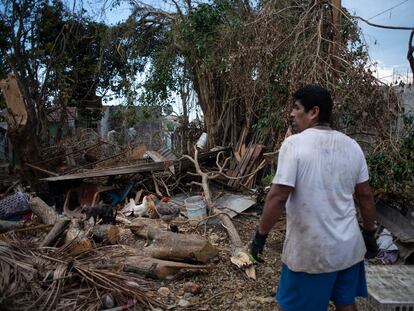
{"points": [[179, 165]]}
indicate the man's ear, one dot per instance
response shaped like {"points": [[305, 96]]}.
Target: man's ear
{"points": [[315, 113]]}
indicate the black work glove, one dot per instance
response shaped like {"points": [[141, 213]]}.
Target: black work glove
{"points": [[370, 243], [257, 246]]}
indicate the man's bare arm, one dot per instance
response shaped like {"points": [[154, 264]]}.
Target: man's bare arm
{"points": [[273, 208], [366, 205]]}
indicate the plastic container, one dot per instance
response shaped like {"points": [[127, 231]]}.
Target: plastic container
{"points": [[202, 141], [196, 207]]}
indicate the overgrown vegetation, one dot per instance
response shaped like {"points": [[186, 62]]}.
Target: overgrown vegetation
{"points": [[242, 60]]}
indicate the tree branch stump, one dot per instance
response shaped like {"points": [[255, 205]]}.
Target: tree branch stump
{"points": [[174, 246], [149, 267], [106, 233], [6, 226], [47, 214], [60, 226], [76, 238]]}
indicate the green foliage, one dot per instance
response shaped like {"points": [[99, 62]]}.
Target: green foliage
{"points": [[64, 58], [394, 174], [127, 116], [267, 180]]}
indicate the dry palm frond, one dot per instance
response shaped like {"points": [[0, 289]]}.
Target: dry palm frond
{"points": [[50, 279]]}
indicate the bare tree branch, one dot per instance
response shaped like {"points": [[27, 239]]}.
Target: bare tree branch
{"points": [[410, 52]]}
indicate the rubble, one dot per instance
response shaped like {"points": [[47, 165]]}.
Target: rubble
{"points": [[150, 252]]}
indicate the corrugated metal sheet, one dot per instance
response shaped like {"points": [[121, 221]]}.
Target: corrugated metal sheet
{"points": [[167, 153]]}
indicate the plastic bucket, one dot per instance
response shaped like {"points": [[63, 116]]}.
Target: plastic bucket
{"points": [[196, 207], [202, 141]]}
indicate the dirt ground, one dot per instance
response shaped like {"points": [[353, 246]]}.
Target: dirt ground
{"points": [[227, 287]]}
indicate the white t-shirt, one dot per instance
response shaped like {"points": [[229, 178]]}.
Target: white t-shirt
{"points": [[322, 230]]}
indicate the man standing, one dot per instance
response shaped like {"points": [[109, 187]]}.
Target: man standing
{"points": [[319, 169]]}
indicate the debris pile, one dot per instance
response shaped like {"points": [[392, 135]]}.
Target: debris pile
{"points": [[150, 231], [107, 233]]}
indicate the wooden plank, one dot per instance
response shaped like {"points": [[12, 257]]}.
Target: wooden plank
{"points": [[251, 179], [157, 157], [41, 169], [248, 155], [241, 140], [256, 153], [157, 166]]}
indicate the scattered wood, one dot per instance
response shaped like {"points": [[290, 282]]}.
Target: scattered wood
{"points": [[57, 230], [76, 238], [180, 165], [123, 220], [149, 267], [6, 226], [47, 214], [33, 228], [174, 246], [157, 157], [106, 233], [239, 251], [244, 171], [41, 169]]}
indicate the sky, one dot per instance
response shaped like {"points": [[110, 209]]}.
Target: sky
{"points": [[386, 47]]}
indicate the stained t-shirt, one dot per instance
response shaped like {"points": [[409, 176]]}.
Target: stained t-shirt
{"points": [[322, 232]]}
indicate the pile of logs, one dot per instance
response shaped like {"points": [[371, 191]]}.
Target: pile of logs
{"points": [[165, 255]]}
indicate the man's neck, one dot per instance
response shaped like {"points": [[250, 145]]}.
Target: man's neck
{"points": [[322, 126]]}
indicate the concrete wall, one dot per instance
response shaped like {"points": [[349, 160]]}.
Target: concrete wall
{"points": [[407, 98]]}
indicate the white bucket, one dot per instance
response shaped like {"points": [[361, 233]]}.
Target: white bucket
{"points": [[196, 207], [202, 141]]}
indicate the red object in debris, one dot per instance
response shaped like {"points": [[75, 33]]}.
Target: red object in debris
{"points": [[193, 288], [130, 303], [165, 199], [27, 217]]}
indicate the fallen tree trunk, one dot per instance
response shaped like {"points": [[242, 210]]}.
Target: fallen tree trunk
{"points": [[60, 226], [6, 226], [225, 219], [76, 239], [237, 243], [149, 267], [173, 246], [47, 214], [106, 233], [240, 255]]}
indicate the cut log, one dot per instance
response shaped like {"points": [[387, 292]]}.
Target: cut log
{"points": [[57, 230], [175, 246], [47, 214], [10, 225], [106, 233], [76, 238], [150, 267], [122, 220], [126, 237]]}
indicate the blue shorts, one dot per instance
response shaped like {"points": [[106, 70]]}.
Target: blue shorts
{"points": [[299, 291]]}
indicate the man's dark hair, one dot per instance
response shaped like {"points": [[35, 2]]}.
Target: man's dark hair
{"points": [[314, 95]]}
